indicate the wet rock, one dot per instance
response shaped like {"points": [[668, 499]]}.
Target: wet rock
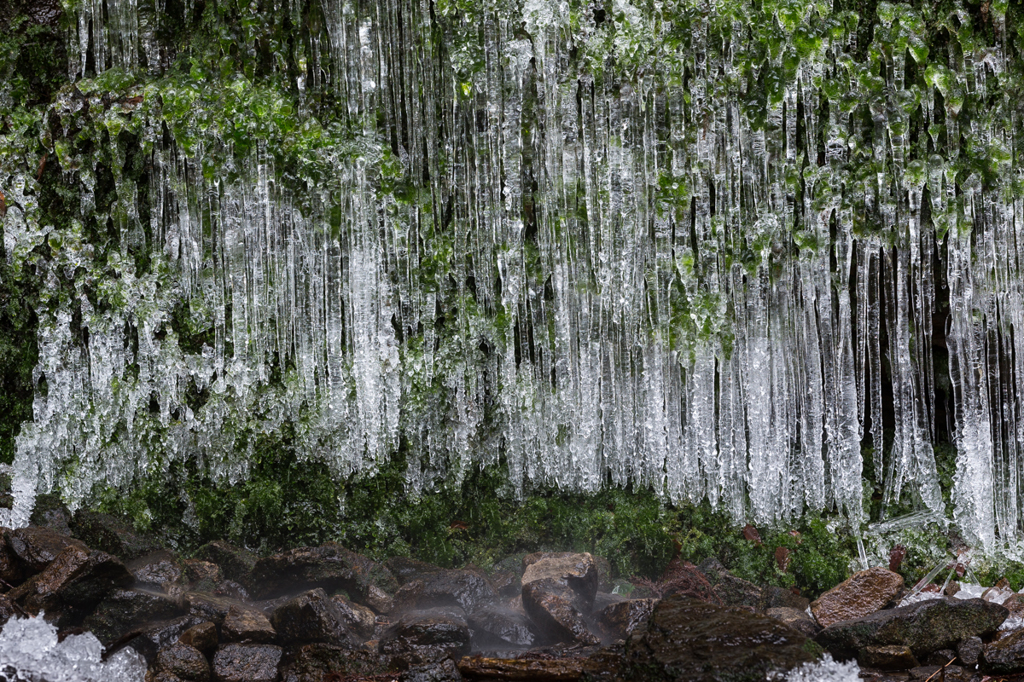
{"points": [[605, 599], [1015, 604], [924, 672], [359, 619], [405, 569], [202, 576], [209, 607], [602, 665], [731, 590], [578, 572], [695, 641], [236, 563], [506, 583], [34, 548], [778, 597], [152, 637], [494, 626], [160, 570], [1005, 656], [620, 619], [232, 590], [925, 626], [315, 662], [247, 625], [185, 662], [202, 636], [108, 534], [941, 657], [378, 600], [7, 609], [445, 671], [246, 663], [10, 570], [310, 617], [72, 585], [861, 594], [426, 636], [51, 512], [467, 590], [796, 619], [124, 610], [329, 566], [969, 650], [554, 609], [890, 657]]}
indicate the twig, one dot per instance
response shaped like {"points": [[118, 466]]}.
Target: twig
{"points": [[941, 670]]}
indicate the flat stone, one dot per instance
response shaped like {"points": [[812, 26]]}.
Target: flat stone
{"points": [[185, 662], [360, 620], [578, 572], [621, 618], [202, 636], [796, 619], [246, 663], [329, 566], [124, 610], [554, 609], [236, 563], [427, 636], [889, 657], [925, 626], [495, 626], [311, 617], [247, 625], [861, 594], [161, 570], [467, 590], [694, 641]]}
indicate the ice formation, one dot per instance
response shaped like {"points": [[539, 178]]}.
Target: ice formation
{"points": [[824, 670], [29, 650], [685, 246]]}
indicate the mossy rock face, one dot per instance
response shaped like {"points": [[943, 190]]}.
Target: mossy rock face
{"points": [[111, 535]]}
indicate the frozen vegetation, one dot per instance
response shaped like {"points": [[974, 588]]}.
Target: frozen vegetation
{"points": [[687, 244]]}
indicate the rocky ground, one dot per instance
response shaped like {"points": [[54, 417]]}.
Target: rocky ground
{"points": [[328, 614]]}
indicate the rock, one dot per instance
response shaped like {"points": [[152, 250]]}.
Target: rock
{"points": [[311, 617], [34, 548], [427, 636], [553, 608], [235, 563], [621, 618], [10, 570], [50, 512], [890, 657], [247, 625], [378, 600], [731, 590], [778, 597], [506, 583], [359, 619], [445, 671], [924, 672], [969, 650], [466, 589], [578, 572], [107, 533], [232, 590], [124, 610], [601, 665], [209, 606], [8, 609], [72, 585], [185, 662], [861, 594], [246, 663], [152, 637], [202, 636], [925, 626], [202, 576], [605, 599], [695, 641], [1005, 656], [405, 569], [1015, 604], [329, 566], [317, 662], [160, 570], [941, 657], [494, 626], [796, 619]]}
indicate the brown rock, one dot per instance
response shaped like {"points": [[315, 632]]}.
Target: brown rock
{"points": [[405, 569], [891, 657], [732, 591], [246, 663], [861, 594], [621, 618], [578, 572], [359, 619], [161, 634], [796, 619], [123, 611], [10, 571], [1004, 657], [160, 569], [185, 662], [317, 662], [310, 617], [553, 608], [202, 636], [8, 609], [236, 563], [202, 576], [211, 607], [109, 534], [247, 625], [34, 548]]}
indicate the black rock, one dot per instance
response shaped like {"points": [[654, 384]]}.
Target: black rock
{"points": [[246, 663], [311, 617], [125, 610], [554, 609], [498, 627], [185, 662], [329, 566], [161, 570], [1005, 656], [34, 548], [236, 563], [427, 636], [111, 535], [467, 590]]}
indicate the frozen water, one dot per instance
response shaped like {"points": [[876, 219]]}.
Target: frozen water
{"points": [[824, 670], [30, 647]]}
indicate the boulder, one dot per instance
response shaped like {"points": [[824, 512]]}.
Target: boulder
{"points": [[861, 594], [202, 636], [50, 512], [109, 534], [694, 641], [202, 576], [377, 599], [924, 627], [124, 610], [732, 591], [158, 570], [34, 548], [360, 620], [329, 566], [405, 569], [888, 657], [236, 563], [184, 662], [969, 650], [445, 671], [232, 590], [494, 626], [1004, 657], [779, 597], [426, 636], [578, 572], [211, 607], [72, 585], [152, 637], [506, 583], [621, 618], [554, 609], [467, 590], [319, 662], [796, 619], [246, 663], [247, 625], [311, 617]]}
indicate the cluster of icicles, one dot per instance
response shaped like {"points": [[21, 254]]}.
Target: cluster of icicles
{"points": [[597, 280]]}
